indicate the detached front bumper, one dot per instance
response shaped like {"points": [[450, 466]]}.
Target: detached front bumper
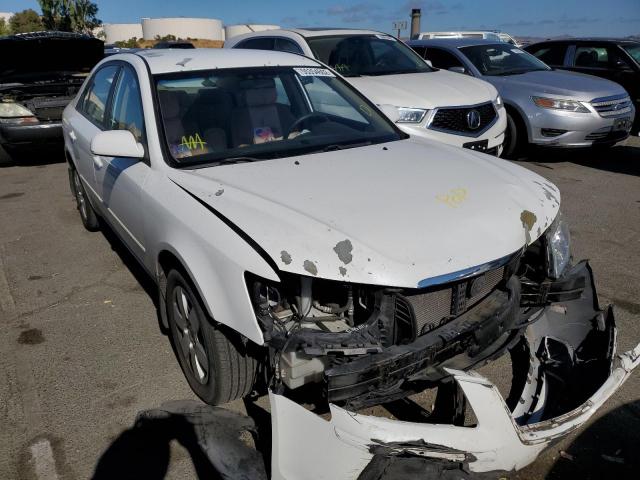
{"points": [[565, 368]]}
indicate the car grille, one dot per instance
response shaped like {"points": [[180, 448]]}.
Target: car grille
{"points": [[612, 106], [455, 120], [48, 108], [434, 308]]}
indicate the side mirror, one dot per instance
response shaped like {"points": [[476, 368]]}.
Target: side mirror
{"points": [[458, 70], [622, 65], [116, 143]]}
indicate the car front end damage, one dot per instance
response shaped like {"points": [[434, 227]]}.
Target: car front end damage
{"points": [[359, 354]]}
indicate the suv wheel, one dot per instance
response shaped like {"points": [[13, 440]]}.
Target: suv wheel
{"points": [[217, 367], [87, 213]]}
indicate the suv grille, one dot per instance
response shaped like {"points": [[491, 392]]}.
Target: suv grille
{"points": [[612, 106], [435, 308], [457, 120]]}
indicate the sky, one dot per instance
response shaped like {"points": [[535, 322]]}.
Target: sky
{"points": [[540, 18]]}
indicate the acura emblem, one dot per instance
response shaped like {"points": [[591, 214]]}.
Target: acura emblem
{"points": [[473, 119]]}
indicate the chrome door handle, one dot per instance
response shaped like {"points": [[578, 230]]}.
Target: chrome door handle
{"points": [[97, 161], [72, 136]]}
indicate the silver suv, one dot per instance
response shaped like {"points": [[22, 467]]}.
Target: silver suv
{"points": [[544, 106]]}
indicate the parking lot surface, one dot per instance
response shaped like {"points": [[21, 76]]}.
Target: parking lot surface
{"points": [[83, 353]]}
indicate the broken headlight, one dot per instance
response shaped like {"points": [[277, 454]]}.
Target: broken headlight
{"points": [[558, 247]]}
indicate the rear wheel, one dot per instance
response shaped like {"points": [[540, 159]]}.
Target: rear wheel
{"points": [[515, 137], [215, 363], [87, 213]]}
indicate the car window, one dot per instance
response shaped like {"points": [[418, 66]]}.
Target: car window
{"points": [[551, 54], [95, 102], [127, 105], [327, 100], [264, 113], [591, 57], [442, 59], [286, 45], [263, 43], [419, 50], [634, 51], [502, 59], [355, 55]]}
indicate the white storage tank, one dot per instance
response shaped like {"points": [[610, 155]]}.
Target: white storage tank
{"points": [[119, 32], [233, 30], [202, 28]]}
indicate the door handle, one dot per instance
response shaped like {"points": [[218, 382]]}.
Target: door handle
{"points": [[97, 161], [72, 136]]}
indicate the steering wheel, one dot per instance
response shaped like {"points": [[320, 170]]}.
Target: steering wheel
{"points": [[321, 117]]}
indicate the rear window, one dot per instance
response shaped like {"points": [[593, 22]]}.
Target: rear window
{"points": [[551, 54]]}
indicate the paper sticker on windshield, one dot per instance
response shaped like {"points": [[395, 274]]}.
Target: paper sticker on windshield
{"points": [[385, 37], [313, 72]]}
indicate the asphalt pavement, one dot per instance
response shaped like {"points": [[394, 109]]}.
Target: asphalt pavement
{"points": [[83, 352]]}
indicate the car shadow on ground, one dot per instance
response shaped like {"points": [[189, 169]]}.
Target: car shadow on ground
{"points": [[217, 440], [607, 449], [623, 158], [33, 158], [132, 264]]}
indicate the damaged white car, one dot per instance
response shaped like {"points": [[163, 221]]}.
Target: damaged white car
{"points": [[336, 262]]}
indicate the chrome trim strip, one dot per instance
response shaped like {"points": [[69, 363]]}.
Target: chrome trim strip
{"points": [[467, 272], [612, 98], [475, 134]]}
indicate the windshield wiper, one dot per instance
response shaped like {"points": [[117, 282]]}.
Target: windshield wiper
{"points": [[335, 147]]}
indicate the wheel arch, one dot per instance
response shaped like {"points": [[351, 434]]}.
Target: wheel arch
{"points": [[519, 117]]}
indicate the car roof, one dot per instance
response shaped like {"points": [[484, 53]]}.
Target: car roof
{"points": [[324, 32], [588, 39], [178, 60], [453, 42]]}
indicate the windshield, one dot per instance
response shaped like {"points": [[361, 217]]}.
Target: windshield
{"points": [[502, 59], [634, 51], [228, 115], [354, 55]]}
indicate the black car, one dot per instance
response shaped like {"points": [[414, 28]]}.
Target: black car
{"points": [[40, 73], [617, 60]]}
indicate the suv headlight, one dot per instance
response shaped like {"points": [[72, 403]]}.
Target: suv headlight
{"points": [[498, 103], [410, 115], [558, 242], [11, 112], [557, 104]]}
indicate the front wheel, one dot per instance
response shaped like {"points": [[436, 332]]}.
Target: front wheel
{"points": [[218, 369], [514, 138], [87, 213]]}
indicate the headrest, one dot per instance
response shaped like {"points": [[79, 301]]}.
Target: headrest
{"points": [[170, 104], [258, 92]]}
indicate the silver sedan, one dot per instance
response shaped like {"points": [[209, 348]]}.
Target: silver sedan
{"points": [[544, 106]]}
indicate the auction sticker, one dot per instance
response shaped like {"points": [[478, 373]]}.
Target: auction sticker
{"points": [[313, 72]]}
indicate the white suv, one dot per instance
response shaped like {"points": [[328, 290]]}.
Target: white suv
{"points": [[422, 100]]}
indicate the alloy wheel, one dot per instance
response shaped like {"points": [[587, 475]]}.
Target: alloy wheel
{"points": [[189, 336]]}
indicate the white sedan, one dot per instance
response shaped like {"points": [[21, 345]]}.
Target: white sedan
{"points": [[328, 258]]}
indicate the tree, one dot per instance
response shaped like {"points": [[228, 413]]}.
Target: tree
{"points": [[131, 43], [70, 15], [83, 16], [4, 28], [25, 21]]}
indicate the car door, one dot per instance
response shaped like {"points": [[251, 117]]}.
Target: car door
{"points": [[91, 118], [120, 180], [593, 59]]}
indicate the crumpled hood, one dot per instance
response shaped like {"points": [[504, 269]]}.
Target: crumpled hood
{"points": [[424, 90], [389, 214], [571, 85]]}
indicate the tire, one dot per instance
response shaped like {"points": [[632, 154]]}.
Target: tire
{"points": [[87, 213], [514, 138], [215, 362]]}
